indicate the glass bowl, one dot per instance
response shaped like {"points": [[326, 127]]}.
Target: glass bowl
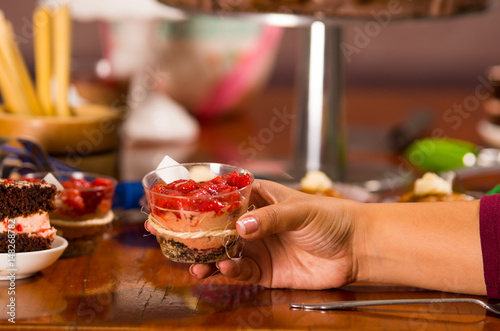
{"points": [[83, 209], [194, 208]]}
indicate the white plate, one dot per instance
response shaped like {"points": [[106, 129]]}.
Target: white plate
{"points": [[29, 263]]}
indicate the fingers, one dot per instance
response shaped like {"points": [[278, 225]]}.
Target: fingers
{"points": [[149, 228], [266, 192], [288, 215], [202, 271], [244, 269]]}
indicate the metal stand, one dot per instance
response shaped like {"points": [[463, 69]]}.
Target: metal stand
{"points": [[320, 139]]}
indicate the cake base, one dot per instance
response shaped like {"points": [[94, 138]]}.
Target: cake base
{"points": [[179, 252], [83, 236], [24, 243]]}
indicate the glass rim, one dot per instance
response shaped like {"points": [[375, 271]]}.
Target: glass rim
{"points": [[243, 170], [69, 174]]}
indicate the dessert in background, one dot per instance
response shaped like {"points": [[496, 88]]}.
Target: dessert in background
{"points": [[84, 199], [317, 182], [24, 209], [195, 221], [82, 210], [430, 187]]}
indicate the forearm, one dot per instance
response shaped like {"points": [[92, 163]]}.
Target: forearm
{"points": [[429, 245]]}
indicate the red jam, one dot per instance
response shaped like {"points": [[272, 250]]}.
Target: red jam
{"points": [[81, 197], [214, 195]]}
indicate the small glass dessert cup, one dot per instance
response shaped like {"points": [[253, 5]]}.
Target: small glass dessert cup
{"points": [[194, 208], [83, 209]]}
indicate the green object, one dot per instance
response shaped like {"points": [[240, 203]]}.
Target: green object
{"points": [[494, 190], [441, 154]]}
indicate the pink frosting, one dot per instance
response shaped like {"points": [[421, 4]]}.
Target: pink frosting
{"points": [[37, 224]]}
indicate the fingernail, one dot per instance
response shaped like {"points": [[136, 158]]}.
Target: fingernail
{"points": [[248, 225], [191, 270]]}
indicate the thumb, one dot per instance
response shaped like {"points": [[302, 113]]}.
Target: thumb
{"points": [[285, 216]]}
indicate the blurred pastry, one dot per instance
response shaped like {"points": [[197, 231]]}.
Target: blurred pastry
{"points": [[317, 182], [430, 187]]}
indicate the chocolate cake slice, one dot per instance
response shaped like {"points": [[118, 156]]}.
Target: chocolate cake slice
{"points": [[24, 215]]}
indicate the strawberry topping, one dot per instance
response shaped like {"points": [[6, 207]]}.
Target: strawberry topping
{"points": [[213, 195], [81, 197]]}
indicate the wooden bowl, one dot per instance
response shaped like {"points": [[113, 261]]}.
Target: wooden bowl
{"points": [[93, 129]]}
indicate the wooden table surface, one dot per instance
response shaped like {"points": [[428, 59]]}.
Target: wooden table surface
{"points": [[128, 284]]}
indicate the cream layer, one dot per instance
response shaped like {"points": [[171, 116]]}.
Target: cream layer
{"points": [[37, 224]]}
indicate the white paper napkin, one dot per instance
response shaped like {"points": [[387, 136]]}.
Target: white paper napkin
{"points": [[171, 174], [51, 179]]}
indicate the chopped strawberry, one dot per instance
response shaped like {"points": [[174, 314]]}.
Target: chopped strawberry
{"points": [[186, 186], [163, 189], [239, 181], [210, 187], [221, 179], [98, 182], [244, 181], [199, 193], [73, 199], [209, 205], [197, 196], [81, 197], [232, 179], [76, 183]]}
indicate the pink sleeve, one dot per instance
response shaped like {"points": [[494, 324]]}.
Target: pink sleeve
{"points": [[489, 226]]}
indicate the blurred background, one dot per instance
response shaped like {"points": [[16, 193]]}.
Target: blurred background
{"points": [[144, 56], [426, 52]]}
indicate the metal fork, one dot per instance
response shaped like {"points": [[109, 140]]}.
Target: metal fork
{"points": [[495, 308]]}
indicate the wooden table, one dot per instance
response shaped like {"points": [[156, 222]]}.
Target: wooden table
{"points": [[127, 283]]}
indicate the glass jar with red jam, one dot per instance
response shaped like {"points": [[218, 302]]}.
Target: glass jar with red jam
{"points": [[85, 196], [194, 208]]}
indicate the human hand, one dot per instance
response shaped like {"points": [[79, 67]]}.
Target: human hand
{"points": [[294, 240]]}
